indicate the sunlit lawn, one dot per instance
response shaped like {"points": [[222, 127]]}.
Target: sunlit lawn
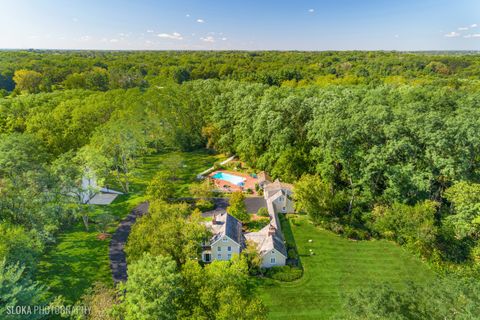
{"points": [[338, 266], [78, 259]]}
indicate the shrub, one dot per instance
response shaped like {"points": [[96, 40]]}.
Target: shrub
{"points": [[249, 191], [205, 205], [336, 227], [292, 254], [356, 234], [217, 166], [262, 212], [284, 273]]}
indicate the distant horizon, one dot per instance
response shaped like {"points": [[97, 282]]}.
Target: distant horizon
{"points": [[241, 50], [190, 25]]}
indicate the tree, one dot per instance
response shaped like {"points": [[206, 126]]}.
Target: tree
{"points": [[19, 246], [465, 201], [173, 164], [202, 190], [220, 290], [413, 226], [443, 298], [252, 257], [27, 80], [152, 288], [315, 197], [121, 141], [104, 221], [237, 206], [161, 187], [168, 229], [100, 299], [16, 289]]}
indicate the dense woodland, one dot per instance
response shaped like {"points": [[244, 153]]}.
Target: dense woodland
{"points": [[378, 145]]}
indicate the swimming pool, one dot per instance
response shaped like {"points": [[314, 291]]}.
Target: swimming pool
{"points": [[239, 181]]}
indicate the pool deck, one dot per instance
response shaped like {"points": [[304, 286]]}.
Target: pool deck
{"points": [[230, 187]]}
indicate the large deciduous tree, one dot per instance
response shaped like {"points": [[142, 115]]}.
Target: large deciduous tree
{"points": [[237, 207], [465, 201], [27, 80], [167, 229], [152, 288]]}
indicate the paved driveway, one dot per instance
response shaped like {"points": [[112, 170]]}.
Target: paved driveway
{"points": [[118, 262]]}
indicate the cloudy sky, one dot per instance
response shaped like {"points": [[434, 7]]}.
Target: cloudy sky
{"points": [[245, 24]]}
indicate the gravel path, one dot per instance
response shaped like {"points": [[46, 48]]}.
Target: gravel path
{"points": [[118, 263]]}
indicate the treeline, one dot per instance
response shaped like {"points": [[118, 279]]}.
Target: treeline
{"points": [[43, 71]]}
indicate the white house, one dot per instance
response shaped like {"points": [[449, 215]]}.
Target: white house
{"points": [[90, 192], [228, 238]]}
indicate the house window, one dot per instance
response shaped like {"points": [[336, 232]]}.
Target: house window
{"points": [[207, 257], [229, 248], [229, 256], [219, 249], [284, 209], [219, 256], [272, 260], [225, 239], [281, 199]]}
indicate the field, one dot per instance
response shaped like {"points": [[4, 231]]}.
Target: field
{"points": [[337, 266], [78, 259]]}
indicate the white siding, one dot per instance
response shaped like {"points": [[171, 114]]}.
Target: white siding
{"points": [[221, 248], [280, 260]]}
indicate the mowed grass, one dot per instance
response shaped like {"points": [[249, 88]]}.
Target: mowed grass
{"points": [[79, 258], [337, 266]]}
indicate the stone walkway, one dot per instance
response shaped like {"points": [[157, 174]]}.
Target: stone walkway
{"points": [[118, 262]]}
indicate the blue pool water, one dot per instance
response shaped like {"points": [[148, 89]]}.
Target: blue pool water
{"points": [[239, 181]]}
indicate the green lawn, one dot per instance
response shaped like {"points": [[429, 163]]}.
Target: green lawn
{"points": [[78, 259], [338, 266]]}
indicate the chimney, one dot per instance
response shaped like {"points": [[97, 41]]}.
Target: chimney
{"points": [[271, 230]]}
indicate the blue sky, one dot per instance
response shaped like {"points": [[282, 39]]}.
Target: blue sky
{"points": [[242, 24]]}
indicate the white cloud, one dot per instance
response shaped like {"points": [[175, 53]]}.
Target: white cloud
{"points": [[113, 40], [224, 39], [187, 15], [397, 36], [75, 19], [311, 10], [463, 28], [473, 35], [474, 25], [200, 20], [85, 38], [208, 39], [174, 36], [452, 34], [150, 31]]}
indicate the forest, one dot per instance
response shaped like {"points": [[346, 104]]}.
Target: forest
{"points": [[378, 145]]}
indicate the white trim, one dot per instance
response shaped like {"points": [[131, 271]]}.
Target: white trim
{"points": [[221, 238]]}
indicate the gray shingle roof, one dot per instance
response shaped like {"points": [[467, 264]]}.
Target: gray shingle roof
{"points": [[233, 229], [278, 244]]}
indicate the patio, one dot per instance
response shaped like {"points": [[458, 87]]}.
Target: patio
{"points": [[226, 186]]}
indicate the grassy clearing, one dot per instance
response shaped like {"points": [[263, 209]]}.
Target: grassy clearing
{"points": [[78, 259], [338, 266]]}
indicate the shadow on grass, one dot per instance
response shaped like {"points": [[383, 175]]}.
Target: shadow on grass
{"points": [[290, 238]]}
